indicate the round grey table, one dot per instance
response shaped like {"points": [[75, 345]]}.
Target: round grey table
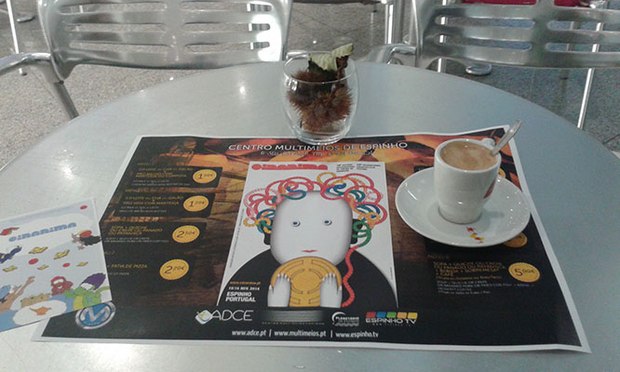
{"points": [[574, 182]]}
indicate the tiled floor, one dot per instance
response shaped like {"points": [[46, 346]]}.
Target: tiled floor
{"points": [[28, 112]]}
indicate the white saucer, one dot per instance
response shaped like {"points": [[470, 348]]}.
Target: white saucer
{"points": [[504, 215]]}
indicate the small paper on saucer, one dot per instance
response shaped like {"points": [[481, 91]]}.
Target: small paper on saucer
{"points": [[51, 263]]}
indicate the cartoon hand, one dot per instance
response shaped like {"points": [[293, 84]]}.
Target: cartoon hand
{"points": [[331, 292], [279, 295]]}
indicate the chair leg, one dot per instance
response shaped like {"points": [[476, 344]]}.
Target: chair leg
{"points": [[394, 14], [581, 121], [60, 92], [584, 100], [14, 31]]}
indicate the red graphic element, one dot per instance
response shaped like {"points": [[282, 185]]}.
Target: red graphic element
{"points": [[345, 279], [66, 264], [33, 261], [288, 166], [60, 284], [474, 235], [371, 314], [83, 206], [86, 234], [8, 231]]}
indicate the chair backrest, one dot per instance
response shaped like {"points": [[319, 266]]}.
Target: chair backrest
{"points": [[538, 35], [164, 34]]}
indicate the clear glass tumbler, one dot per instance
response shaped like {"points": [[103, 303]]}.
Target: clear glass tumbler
{"points": [[319, 112]]}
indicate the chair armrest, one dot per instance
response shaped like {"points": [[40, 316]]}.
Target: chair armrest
{"points": [[43, 61]]}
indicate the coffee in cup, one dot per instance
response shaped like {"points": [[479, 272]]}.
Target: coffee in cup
{"points": [[467, 155], [465, 173]]}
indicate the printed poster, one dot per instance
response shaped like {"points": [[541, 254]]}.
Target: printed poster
{"points": [[205, 240], [51, 263], [312, 235]]}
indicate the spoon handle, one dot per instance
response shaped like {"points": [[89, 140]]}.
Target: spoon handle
{"points": [[506, 137]]}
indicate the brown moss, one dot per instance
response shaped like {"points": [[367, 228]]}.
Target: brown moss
{"points": [[321, 106]]}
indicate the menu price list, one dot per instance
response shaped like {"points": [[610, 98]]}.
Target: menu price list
{"points": [[171, 222]]}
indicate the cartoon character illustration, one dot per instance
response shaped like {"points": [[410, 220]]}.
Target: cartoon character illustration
{"points": [[9, 269], [60, 285], [62, 254], [85, 238], [88, 293], [40, 311], [314, 229], [13, 293], [37, 250], [4, 291], [4, 257]]}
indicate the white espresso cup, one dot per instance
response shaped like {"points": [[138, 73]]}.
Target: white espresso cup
{"points": [[465, 173]]}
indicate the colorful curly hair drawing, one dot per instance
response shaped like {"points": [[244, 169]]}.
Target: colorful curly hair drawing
{"points": [[356, 189]]}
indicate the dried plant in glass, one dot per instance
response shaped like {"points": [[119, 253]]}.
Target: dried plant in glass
{"points": [[322, 97]]}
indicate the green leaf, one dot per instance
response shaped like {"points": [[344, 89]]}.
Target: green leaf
{"points": [[327, 61], [343, 51], [324, 61]]}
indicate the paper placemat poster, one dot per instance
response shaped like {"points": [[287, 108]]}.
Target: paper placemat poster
{"points": [[51, 262], [312, 235]]}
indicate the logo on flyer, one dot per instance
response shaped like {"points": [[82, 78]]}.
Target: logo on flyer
{"points": [[393, 318], [95, 316], [224, 315], [340, 319]]}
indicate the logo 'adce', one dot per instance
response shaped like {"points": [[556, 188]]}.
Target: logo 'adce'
{"points": [[224, 315]]}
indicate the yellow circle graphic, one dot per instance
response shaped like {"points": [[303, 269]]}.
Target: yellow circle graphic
{"points": [[174, 269], [524, 272], [185, 234], [204, 176], [306, 275], [196, 203], [518, 241], [501, 173]]}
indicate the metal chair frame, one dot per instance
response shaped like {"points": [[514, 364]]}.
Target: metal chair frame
{"points": [[394, 13], [158, 34], [540, 35], [14, 17]]}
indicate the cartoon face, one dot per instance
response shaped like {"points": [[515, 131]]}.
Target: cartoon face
{"points": [[311, 226]]}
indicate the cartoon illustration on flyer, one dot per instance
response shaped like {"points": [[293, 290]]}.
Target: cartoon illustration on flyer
{"points": [[51, 263], [312, 235]]}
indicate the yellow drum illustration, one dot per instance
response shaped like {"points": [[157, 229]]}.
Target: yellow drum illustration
{"points": [[306, 275]]}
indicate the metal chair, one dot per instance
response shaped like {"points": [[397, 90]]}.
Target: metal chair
{"points": [[13, 17], [394, 10], [538, 35], [19, 17], [164, 34]]}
